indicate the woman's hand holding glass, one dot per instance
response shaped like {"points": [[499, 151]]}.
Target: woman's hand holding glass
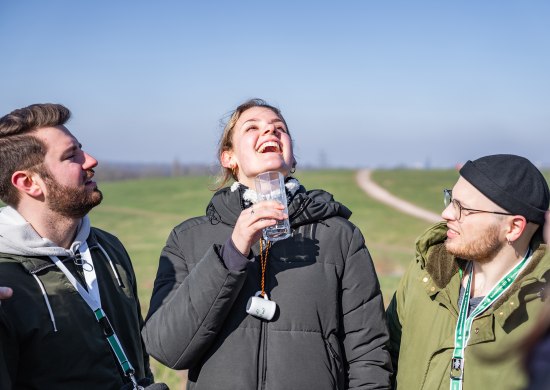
{"points": [[249, 225]]}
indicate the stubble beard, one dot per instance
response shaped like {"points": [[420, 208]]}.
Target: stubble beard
{"points": [[482, 249]]}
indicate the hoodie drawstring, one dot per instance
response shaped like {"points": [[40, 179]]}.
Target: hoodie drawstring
{"points": [[52, 318], [45, 295], [111, 263]]}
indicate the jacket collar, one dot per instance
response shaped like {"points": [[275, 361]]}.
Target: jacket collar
{"points": [[304, 206], [441, 267], [36, 264]]}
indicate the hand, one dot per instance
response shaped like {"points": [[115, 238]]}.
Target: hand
{"points": [[252, 220], [5, 292]]}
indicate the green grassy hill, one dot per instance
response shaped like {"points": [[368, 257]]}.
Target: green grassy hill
{"points": [[421, 187]]}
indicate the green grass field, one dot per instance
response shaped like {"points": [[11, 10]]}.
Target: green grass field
{"points": [[421, 187]]}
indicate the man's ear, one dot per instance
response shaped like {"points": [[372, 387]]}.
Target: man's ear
{"points": [[516, 228], [27, 182]]}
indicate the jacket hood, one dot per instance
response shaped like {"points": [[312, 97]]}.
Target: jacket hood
{"points": [[442, 266], [303, 206], [18, 237]]}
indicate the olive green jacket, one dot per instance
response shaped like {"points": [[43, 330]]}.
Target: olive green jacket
{"points": [[423, 313]]}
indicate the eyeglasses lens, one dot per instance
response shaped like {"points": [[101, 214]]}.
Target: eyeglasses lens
{"points": [[447, 197]]}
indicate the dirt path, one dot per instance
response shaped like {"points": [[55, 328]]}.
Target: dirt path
{"points": [[364, 181]]}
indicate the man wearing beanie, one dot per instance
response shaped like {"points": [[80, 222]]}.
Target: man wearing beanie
{"points": [[470, 296]]}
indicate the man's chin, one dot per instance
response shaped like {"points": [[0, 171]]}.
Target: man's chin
{"points": [[452, 248], [95, 200], [97, 197]]}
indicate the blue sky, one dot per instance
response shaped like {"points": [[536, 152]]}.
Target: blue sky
{"points": [[361, 83]]}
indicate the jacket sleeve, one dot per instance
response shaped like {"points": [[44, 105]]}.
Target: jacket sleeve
{"points": [[395, 315], [146, 362], [394, 326], [364, 323], [188, 306]]}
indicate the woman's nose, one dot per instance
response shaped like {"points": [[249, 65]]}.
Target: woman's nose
{"points": [[269, 128]]}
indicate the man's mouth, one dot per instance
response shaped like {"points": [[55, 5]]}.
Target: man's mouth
{"points": [[88, 178], [451, 232], [269, 147]]}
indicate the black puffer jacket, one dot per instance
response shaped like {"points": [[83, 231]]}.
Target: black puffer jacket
{"points": [[329, 331]]}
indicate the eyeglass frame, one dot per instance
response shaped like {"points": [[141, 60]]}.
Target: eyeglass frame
{"points": [[448, 200]]}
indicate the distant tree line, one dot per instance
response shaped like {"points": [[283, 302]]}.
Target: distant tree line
{"points": [[109, 171]]}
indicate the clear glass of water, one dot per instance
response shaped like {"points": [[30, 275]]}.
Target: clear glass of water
{"points": [[271, 186]]}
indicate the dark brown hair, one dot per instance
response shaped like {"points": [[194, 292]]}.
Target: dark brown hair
{"points": [[20, 149]]}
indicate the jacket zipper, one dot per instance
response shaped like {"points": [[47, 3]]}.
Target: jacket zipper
{"points": [[331, 351], [336, 363], [264, 355]]}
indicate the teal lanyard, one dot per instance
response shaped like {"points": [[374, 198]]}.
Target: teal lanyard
{"points": [[114, 342], [93, 300], [464, 323]]}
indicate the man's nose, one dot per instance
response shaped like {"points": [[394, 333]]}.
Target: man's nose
{"points": [[448, 213], [89, 161]]}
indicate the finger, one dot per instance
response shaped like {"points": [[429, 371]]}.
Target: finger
{"points": [[255, 221], [268, 209], [5, 292], [273, 204]]}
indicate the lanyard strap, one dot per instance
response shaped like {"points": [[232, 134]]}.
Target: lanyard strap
{"points": [[91, 296], [93, 299], [465, 321]]}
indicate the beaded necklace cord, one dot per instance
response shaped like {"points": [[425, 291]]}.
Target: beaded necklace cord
{"points": [[263, 262]]}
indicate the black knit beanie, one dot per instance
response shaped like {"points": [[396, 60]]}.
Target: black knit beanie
{"points": [[512, 182]]}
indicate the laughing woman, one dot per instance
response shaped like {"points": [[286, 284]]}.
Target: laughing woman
{"points": [[328, 330]]}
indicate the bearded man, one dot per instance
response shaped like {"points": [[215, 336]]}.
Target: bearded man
{"points": [[73, 320], [469, 297]]}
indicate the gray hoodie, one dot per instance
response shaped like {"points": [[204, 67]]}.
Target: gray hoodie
{"points": [[18, 237]]}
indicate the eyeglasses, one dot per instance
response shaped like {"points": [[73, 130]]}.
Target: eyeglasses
{"points": [[457, 207]]}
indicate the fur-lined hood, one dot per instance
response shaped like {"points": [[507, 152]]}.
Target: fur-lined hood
{"points": [[442, 266], [303, 206]]}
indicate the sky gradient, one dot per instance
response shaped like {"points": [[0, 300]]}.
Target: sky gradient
{"points": [[360, 83]]}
